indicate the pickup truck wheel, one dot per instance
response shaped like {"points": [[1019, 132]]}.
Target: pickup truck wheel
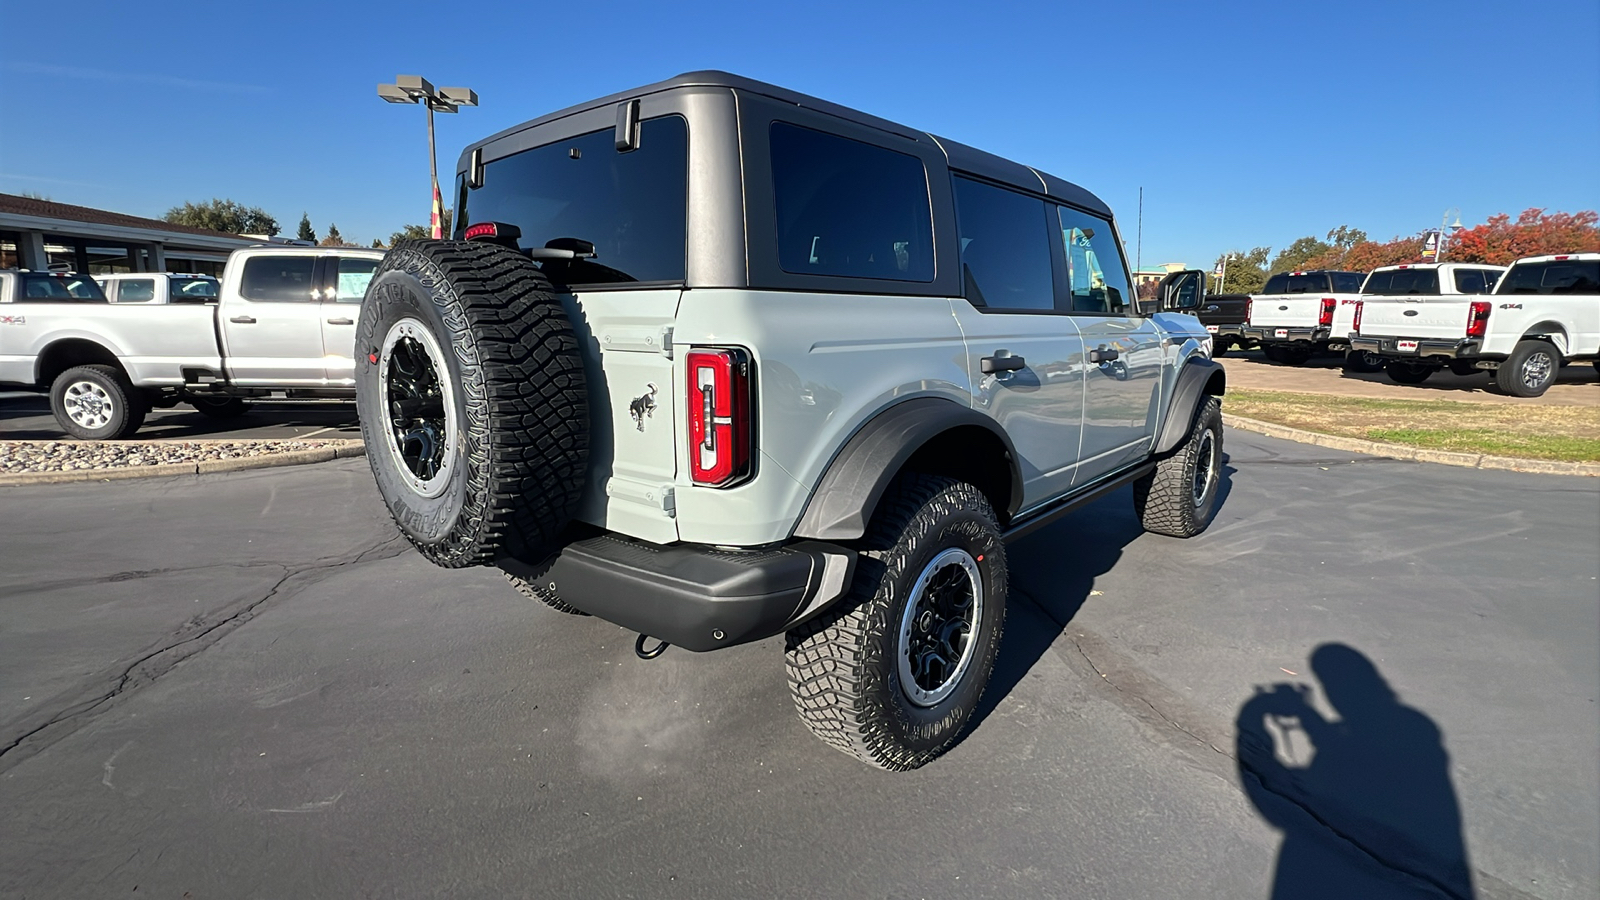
{"points": [[1407, 372], [1295, 356], [1464, 367], [220, 407], [96, 403], [1179, 498], [893, 673], [1529, 370], [1219, 348], [472, 399], [1362, 361]]}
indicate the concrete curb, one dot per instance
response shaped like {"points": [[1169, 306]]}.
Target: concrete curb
{"points": [[345, 450], [1417, 454]]}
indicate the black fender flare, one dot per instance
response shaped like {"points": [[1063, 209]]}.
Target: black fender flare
{"points": [[856, 479], [1199, 378]]}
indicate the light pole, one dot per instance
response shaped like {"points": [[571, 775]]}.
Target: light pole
{"points": [[1439, 257], [1223, 278], [416, 89]]}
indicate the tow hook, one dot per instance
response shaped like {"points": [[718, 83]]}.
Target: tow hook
{"points": [[642, 653]]}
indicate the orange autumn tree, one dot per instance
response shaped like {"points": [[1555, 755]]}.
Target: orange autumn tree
{"points": [[1501, 241], [1368, 255]]}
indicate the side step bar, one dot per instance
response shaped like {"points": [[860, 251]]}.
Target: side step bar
{"points": [[1022, 526]]}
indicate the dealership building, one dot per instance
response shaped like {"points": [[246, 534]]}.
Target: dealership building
{"points": [[43, 235]]}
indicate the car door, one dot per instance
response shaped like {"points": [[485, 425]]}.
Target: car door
{"points": [[270, 324], [1024, 354], [1122, 350], [344, 282]]}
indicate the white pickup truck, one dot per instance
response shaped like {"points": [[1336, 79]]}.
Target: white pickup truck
{"points": [[284, 323], [1544, 312], [159, 288], [1422, 282], [1298, 314]]}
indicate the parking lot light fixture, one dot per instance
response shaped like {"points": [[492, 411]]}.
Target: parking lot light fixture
{"points": [[416, 89]]}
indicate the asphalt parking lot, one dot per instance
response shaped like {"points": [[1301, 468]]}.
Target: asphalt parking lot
{"points": [[245, 685], [27, 417]]}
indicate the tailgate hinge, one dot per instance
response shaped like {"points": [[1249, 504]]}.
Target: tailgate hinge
{"points": [[666, 341]]}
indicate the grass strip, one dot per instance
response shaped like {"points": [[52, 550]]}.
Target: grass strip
{"points": [[1569, 433]]}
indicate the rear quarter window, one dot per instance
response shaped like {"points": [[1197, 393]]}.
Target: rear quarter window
{"points": [[849, 208], [1350, 283]]}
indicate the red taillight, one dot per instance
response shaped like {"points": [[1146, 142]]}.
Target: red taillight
{"points": [[1360, 305], [482, 229], [718, 399], [1478, 318], [1328, 306]]}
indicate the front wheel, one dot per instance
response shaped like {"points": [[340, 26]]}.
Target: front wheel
{"points": [[1179, 498], [1363, 362], [1529, 370], [96, 403], [219, 407], [893, 674]]}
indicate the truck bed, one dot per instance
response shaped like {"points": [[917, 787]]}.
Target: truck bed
{"points": [[155, 343]]}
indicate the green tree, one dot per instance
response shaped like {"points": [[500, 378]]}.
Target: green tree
{"points": [[1293, 257], [377, 244], [1247, 272], [223, 215], [306, 233], [419, 232], [334, 238]]}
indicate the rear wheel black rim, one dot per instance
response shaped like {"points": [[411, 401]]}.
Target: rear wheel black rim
{"points": [[419, 404], [938, 629]]}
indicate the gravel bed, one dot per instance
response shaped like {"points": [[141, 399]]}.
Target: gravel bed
{"points": [[69, 456]]}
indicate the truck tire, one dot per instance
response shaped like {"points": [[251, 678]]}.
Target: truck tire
{"points": [[1272, 352], [1464, 367], [542, 592], [219, 407], [1530, 369], [873, 676], [96, 403], [1363, 362], [473, 403], [1407, 372], [1179, 498], [1219, 348], [1296, 356]]}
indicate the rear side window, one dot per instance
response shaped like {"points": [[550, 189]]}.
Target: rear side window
{"points": [[632, 206], [193, 290], [1005, 248], [1095, 274], [354, 276], [849, 208], [1474, 281], [1564, 277], [1405, 281], [1348, 283], [277, 279], [1277, 284], [136, 290], [42, 287]]}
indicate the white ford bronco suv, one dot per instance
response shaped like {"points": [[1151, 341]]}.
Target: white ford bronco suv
{"points": [[716, 361]]}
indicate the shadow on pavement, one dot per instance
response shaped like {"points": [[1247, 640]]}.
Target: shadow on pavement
{"points": [[31, 420], [1371, 784]]}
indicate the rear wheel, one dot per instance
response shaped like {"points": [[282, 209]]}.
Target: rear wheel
{"points": [[1179, 498], [1464, 367], [96, 403], [1362, 361], [1529, 370], [893, 673], [1219, 347], [1296, 356], [220, 407], [473, 405], [1407, 372]]}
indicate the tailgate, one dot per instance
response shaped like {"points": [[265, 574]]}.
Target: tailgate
{"points": [[1286, 310], [632, 403], [1433, 319]]}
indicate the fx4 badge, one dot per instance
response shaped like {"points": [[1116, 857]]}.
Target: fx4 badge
{"points": [[13, 320], [643, 406]]}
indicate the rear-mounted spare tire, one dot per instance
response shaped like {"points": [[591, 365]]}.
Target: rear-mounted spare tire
{"points": [[473, 404]]}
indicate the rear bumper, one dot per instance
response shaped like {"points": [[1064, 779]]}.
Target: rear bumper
{"points": [[699, 598], [1271, 335], [1459, 348]]}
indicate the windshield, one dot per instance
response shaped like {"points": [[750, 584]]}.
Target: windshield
{"points": [[41, 286], [1402, 281], [193, 290], [1577, 276], [1290, 283]]}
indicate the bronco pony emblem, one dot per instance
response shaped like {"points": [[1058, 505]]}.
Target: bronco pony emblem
{"points": [[643, 406]]}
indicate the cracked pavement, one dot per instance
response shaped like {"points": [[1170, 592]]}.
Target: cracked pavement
{"points": [[245, 685]]}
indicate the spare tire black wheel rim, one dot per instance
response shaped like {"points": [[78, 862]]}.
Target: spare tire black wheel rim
{"points": [[415, 390], [88, 404], [1536, 369], [1205, 467], [937, 642]]}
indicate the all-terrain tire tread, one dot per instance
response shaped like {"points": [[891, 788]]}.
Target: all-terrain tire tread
{"points": [[1164, 498]]}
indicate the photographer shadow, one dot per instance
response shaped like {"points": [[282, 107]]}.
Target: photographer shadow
{"points": [[1364, 800]]}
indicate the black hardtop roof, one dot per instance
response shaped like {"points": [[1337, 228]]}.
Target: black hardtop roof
{"points": [[959, 155]]}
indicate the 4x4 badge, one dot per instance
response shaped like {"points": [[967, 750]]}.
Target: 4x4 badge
{"points": [[643, 406]]}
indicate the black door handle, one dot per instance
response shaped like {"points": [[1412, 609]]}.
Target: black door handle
{"points": [[1103, 355], [1002, 361]]}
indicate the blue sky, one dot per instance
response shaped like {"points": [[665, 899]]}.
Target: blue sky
{"points": [[1246, 123]]}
